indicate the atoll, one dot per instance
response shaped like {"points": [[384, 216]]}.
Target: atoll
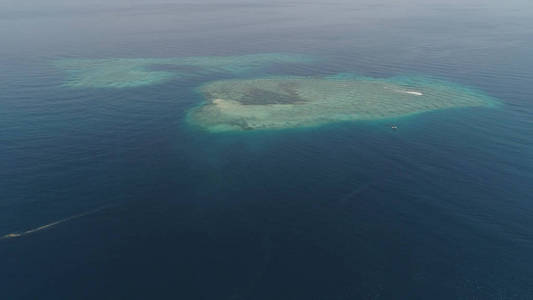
{"points": [[289, 102], [134, 72]]}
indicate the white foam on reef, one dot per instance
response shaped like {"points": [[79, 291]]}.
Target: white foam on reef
{"points": [[134, 72], [412, 93], [290, 102]]}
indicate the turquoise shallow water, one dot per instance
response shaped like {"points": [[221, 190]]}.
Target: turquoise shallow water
{"points": [[142, 205], [277, 103], [135, 72]]}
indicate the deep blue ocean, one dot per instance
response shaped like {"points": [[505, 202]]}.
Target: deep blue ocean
{"points": [[441, 208]]}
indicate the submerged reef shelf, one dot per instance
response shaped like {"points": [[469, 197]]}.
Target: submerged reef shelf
{"points": [[133, 72], [290, 102]]}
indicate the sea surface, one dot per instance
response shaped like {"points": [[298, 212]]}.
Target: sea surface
{"points": [[108, 193]]}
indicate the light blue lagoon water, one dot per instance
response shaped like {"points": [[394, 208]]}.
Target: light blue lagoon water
{"points": [[108, 192]]}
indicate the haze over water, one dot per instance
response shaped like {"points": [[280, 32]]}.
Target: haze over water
{"points": [[107, 192]]}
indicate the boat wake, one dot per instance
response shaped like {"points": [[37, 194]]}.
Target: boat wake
{"points": [[53, 224]]}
